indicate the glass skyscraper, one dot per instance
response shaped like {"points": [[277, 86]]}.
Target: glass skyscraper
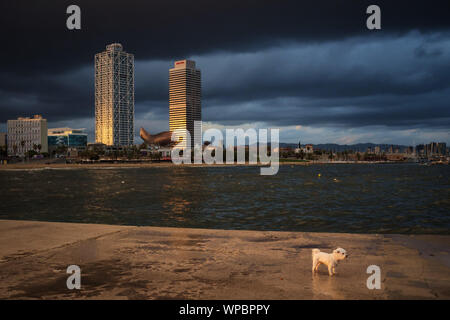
{"points": [[185, 101]]}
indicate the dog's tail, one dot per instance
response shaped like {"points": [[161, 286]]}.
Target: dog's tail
{"points": [[315, 251]]}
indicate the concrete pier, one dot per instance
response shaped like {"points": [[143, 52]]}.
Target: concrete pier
{"points": [[123, 262]]}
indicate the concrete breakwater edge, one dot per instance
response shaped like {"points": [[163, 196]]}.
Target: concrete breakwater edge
{"points": [[126, 262]]}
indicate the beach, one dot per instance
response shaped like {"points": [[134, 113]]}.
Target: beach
{"points": [[94, 165], [156, 164], [127, 262]]}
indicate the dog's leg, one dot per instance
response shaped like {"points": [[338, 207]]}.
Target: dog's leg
{"points": [[317, 266], [314, 266], [330, 270], [334, 270]]}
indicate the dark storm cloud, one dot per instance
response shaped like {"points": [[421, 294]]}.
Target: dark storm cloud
{"points": [[61, 95], [409, 112], [281, 62], [34, 34], [357, 67], [355, 82]]}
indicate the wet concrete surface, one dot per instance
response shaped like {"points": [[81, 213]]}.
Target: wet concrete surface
{"points": [[122, 262]]}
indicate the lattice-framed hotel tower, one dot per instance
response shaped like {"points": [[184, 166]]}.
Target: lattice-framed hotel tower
{"points": [[114, 96]]}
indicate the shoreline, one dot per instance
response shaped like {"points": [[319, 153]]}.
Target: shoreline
{"points": [[28, 166], [130, 262]]}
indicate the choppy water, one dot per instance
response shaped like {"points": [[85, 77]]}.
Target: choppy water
{"points": [[373, 198]]}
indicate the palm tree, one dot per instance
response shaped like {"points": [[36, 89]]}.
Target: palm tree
{"points": [[331, 155], [302, 154], [143, 146], [39, 146], [22, 143]]}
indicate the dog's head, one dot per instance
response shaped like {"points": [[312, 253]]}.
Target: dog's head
{"points": [[340, 254]]}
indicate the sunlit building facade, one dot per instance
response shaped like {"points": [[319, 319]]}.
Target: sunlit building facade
{"points": [[26, 134], [185, 102], [114, 96]]}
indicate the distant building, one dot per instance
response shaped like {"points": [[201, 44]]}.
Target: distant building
{"points": [[309, 148], [104, 149], [435, 149], [114, 96], [73, 138], [395, 157], [432, 149], [25, 134], [185, 101], [96, 147], [283, 150], [442, 148], [2, 139], [165, 153], [72, 153], [420, 150], [377, 150]]}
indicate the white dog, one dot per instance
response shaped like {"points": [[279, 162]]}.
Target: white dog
{"points": [[329, 259]]}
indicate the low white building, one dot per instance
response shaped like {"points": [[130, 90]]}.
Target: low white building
{"points": [[26, 133], [306, 149], [165, 152]]}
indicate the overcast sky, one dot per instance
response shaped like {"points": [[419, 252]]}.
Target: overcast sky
{"points": [[310, 68]]}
